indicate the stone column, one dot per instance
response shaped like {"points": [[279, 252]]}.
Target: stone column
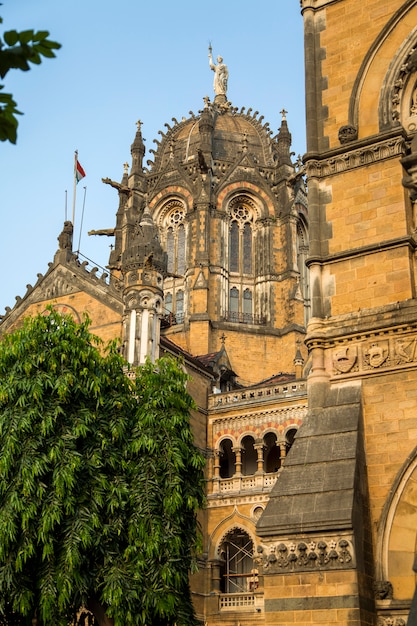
{"points": [[259, 447], [238, 453]]}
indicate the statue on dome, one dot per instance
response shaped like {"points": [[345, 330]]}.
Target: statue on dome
{"points": [[221, 74]]}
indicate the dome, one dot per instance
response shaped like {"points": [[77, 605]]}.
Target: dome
{"points": [[228, 132]]}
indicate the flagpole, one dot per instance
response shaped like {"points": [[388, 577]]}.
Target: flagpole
{"points": [[82, 219], [75, 187]]}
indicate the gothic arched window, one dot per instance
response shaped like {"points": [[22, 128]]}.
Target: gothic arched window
{"points": [[240, 239], [247, 249], [234, 247], [242, 214], [247, 305], [234, 302], [179, 305], [173, 231], [236, 557], [175, 240]]}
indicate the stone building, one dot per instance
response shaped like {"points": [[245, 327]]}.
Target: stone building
{"points": [[297, 322]]}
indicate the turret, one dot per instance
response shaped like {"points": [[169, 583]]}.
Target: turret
{"points": [[143, 266]]}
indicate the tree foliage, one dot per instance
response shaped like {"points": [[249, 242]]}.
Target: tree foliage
{"points": [[17, 51], [101, 481]]}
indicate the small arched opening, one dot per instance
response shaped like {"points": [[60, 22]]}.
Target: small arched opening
{"points": [[249, 456], [272, 454], [227, 459]]}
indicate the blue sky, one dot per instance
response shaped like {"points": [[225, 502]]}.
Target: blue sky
{"points": [[120, 62]]}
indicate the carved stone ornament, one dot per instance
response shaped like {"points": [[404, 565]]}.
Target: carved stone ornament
{"points": [[409, 164], [133, 278], [345, 358], [306, 555], [347, 134], [65, 237], [391, 621], [376, 354], [383, 590], [400, 89], [405, 350]]}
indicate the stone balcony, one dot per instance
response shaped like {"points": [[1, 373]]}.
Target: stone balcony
{"points": [[255, 395], [239, 484]]}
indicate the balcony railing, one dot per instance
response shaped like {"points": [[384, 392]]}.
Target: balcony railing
{"points": [[263, 394], [234, 600], [172, 319], [245, 483], [245, 318]]}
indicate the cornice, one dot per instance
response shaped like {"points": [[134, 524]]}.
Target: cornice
{"points": [[316, 5], [397, 317], [344, 255], [359, 153]]}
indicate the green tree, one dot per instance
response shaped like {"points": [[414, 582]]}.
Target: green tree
{"points": [[17, 51], [101, 481]]}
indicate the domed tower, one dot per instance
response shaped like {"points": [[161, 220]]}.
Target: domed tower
{"points": [[231, 214]]}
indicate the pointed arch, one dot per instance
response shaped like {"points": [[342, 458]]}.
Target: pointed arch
{"points": [[397, 532], [395, 32], [236, 559]]}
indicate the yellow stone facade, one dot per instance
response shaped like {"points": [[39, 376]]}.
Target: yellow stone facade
{"points": [[305, 379]]}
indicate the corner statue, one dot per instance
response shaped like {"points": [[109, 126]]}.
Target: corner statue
{"points": [[221, 74]]}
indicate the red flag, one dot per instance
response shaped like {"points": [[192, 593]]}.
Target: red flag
{"points": [[79, 171]]}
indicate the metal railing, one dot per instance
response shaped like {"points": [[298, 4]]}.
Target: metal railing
{"points": [[245, 318]]}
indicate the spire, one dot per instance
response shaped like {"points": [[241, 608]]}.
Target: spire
{"points": [[284, 140], [298, 361], [137, 151], [125, 177]]}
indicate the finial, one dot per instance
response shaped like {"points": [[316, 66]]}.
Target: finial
{"points": [[206, 101], [139, 124], [284, 115], [223, 339], [126, 168]]}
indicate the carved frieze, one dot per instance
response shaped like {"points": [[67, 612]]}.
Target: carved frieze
{"points": [[352, 159], [381, 353], [306, 555]]}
